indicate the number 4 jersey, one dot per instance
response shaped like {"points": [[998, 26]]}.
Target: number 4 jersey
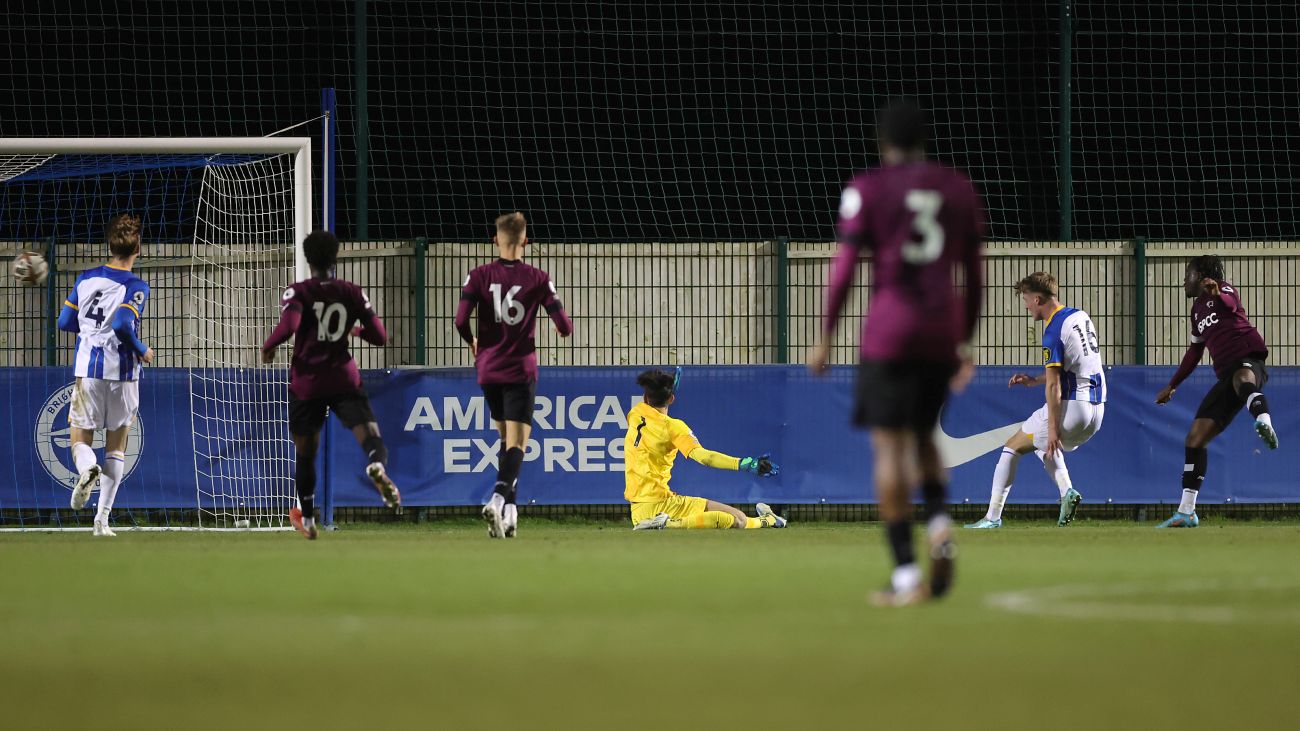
{"points": [[109, 302], [507, 295], [322, 314]]}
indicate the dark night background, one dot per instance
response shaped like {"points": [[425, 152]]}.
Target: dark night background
{"points": [[701, 120]]}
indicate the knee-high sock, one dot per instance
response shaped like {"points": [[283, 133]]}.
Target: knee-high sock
{"points": [[1056, 471], [508, 473], [1195, 461], [114, 464], [82, 456], [1003, 475], [305, 481], [707, 519], [375, 450]]}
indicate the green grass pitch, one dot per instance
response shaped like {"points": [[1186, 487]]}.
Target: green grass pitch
{"points": [[1112, 626]]}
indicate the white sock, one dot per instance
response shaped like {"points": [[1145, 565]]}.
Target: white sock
{"points": [[82, 456], [938, 525], [906, 578], [114, 465], [1265, 418], [1003, 475], [308, 521], [1056, 471], [1188, 505], [510, 514], [497, 501]]}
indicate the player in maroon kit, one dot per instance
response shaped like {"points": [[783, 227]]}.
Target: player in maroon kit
{"points": [[1219, 323], [322, 311], [919, 220], [507, 294]]}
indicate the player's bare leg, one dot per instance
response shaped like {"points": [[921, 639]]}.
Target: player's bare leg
{"points": [[368, 437], [938, 527], [894, 453], [303, 515], [88, 469]]}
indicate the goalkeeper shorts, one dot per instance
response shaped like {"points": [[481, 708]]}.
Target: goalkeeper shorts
{"points": [[677, 506]]}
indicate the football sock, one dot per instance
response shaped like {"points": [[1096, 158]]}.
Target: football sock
{"points": [[305, 481], [933, 496], [906, 578], [752, 523], [1194, 462], [1257, 404], [109, 481], [82, 456], [707, 519], [375, 450], [508, 473], [1056, 471], [899, 534], [1003, 475]]}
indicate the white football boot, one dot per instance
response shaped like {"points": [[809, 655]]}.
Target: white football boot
{"points": [[85, 483]]}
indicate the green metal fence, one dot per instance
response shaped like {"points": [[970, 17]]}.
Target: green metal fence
{"points": [[748, 302]]}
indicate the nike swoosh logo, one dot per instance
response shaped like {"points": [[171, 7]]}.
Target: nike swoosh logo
{"points": [[956, 451]]}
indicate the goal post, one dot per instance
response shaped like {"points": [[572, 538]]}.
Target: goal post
{"points": [[224, 221]]}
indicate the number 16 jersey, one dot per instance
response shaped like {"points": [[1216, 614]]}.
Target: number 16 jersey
{"points": [[322, 364], [507, 295]]}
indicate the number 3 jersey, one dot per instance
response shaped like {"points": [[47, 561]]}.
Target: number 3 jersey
{"points": [[328, 308], [109, 302], [1070, 343], [919, 220], [507, 295]]}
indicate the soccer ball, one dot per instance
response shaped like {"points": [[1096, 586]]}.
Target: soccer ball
{"points": [[29, 268]]}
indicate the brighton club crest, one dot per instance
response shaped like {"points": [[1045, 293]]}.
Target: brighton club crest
{"points": [[53, 439]]}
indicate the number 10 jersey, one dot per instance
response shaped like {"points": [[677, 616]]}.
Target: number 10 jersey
{"points": [[322, 364]]}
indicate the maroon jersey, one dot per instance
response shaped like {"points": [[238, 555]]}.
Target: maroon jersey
{"points": [[321, 313], [507, 295], [918, 220], [1221, 324]]}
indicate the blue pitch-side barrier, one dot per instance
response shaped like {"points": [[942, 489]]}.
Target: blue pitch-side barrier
{"points": [[443, 447]]}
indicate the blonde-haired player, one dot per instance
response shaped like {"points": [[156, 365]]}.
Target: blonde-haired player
{"points": [[104, 309], [651, 446]]}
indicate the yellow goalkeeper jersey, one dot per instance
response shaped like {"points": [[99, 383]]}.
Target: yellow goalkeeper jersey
{"points": [[649, 450]]}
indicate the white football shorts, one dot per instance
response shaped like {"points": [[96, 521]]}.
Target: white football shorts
{"points": [[1080, 421], [100, 404]]}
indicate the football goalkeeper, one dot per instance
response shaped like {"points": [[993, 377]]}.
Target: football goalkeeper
{"points": [[653, 440]]}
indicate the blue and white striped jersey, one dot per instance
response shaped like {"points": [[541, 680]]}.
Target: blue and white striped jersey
{"points": [[1070, 342], [109, 302]]}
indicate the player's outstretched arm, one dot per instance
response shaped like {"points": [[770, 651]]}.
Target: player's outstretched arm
{"points": [[1191, 359]]}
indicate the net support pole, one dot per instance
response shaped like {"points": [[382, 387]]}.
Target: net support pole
{"points": [[421, 306], [51, 302], [782, 300], [361, 142], [1065, 179], [329, 133], [1140, 299]]}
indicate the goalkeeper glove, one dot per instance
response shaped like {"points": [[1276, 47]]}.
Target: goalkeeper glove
{"points": [[760, 466]]}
